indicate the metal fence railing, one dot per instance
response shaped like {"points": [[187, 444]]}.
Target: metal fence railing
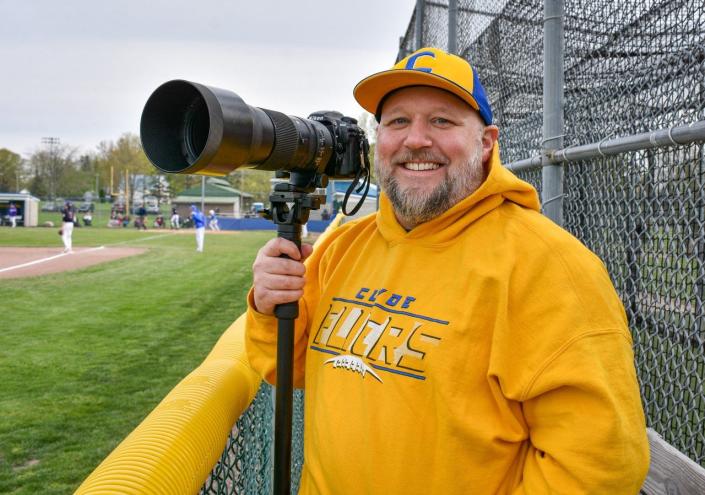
{"points": [[630, 67]]}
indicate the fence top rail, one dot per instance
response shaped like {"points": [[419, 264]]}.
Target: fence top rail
{"points": [[670, 471], [672, 136]]}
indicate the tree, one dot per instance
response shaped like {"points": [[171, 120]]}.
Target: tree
{"points": [[85, 172], [158, 187], [10, 170], [368, 123], [181, 182], [53, 171], [255, 182], [116, 160]]}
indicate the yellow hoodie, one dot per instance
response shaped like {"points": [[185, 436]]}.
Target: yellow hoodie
{"points": [[483, 352]]}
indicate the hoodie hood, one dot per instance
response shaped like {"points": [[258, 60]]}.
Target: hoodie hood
{"points": [[501, 185]]}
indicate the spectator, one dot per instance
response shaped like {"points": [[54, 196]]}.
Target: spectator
{"points": [[141, 218], [159, 221], [12, 213]]}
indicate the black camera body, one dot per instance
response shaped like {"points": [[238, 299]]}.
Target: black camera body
{"points": [[350, 144]]}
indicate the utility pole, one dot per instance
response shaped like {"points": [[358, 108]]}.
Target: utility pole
{"points": [[241, 206], [52, 143], [127, 193], [203, 193]]}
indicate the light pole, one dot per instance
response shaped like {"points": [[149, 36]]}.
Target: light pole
{"points": [[203, 193], [52, 143]]}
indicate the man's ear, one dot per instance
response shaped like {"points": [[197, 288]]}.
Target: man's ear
{"points": [[490, 134]]}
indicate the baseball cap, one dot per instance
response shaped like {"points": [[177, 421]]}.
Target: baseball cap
{"points": [[426, 67]]}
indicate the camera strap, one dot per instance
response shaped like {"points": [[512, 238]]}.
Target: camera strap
{"points": [[362, 171]]}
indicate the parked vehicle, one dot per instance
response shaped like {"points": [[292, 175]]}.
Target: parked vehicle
{"points": [[53, 204], [254, 210], [86, 206], [49, 206], [151, 204]]}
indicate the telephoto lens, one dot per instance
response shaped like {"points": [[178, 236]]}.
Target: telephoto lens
{"points": [[190, 128]]}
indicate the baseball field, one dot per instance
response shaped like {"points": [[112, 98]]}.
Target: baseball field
{"points": [[92, 340]]}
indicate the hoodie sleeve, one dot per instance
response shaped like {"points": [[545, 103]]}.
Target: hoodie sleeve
{"points": [[261, 343], [567, 359], [587, 431], [261, 330]]}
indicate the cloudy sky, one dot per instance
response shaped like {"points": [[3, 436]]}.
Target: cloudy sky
{"points": [[81, 70]]}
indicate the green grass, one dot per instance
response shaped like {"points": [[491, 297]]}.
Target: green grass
{"points": [[86, 355]]}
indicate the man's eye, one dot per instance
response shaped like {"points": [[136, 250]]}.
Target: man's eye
{"points": [[441, 121], [398, 121]]}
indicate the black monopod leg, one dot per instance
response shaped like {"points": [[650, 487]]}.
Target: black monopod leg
{"points": [[286, 315], [291, 205]]}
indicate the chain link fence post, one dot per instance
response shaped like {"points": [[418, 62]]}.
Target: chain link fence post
{"points": [[553, 47], [453, 26], [419, 24]]}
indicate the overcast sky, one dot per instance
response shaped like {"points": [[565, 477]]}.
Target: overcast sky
{"points": [[81, 70]]}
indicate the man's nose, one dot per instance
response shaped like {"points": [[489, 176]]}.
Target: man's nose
{"points": [[417, 136]]}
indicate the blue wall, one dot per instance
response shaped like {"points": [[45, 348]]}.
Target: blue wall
{"points": [[262, 224]]}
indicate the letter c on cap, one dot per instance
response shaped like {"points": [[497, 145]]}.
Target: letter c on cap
{"points": [[412, 61]]}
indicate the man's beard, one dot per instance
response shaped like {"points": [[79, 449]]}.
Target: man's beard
{"points": [[416, 205]]}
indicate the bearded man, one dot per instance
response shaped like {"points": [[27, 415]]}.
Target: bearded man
{"points": [[457, 341]]}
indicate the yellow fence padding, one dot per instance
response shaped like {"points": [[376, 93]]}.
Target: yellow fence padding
{"points": [[174, 449]]}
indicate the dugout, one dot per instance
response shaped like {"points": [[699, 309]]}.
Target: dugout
{"points": [[27, 209], [217, 194]]}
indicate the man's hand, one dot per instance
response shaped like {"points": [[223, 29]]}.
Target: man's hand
{"points": [[279, 280]]}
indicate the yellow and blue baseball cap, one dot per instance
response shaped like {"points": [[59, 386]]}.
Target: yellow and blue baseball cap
{"points": [[425, 67]]}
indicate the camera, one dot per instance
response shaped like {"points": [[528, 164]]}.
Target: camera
{"points": [[191, 128]]}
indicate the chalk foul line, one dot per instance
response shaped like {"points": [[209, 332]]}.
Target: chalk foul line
{"points": [[49, 258], [42, 260], [140, 239]]}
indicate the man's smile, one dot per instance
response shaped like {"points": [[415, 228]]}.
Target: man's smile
{"points": [[420, 166]]}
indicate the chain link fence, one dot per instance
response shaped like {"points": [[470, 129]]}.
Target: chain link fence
{"points": [[245, 467], [643, 214], [631, 66]]}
